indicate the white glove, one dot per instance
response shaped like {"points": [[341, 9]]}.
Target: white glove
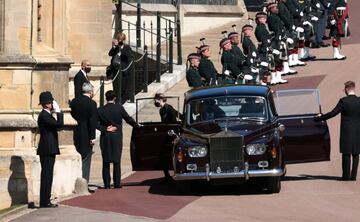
{"points": [[299, 29], [56, 107], [265, 64], [314, 18], [276, 52], [248, 77], [301, 14], [290, 40], [318, 5], [253, 54], [251, 60], [293, 27], [227, 72], [328, 5], [333, 22], [307, 23]]}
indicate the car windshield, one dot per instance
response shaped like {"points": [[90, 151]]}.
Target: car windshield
{"points": [[239, 107]]}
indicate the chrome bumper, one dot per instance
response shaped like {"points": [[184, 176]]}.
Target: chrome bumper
{"points": [[241, 174]]}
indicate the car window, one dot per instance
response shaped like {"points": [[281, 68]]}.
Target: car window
{"points": [[297, 102], [243, 107]]}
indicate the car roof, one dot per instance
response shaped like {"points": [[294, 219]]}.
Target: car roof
{"points": [[215, 91]]}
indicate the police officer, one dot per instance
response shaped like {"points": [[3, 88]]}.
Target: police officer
{"points": [[192, 74], [48, 145], [206, 68]]}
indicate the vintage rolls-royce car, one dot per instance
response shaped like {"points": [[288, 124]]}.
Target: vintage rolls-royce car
{"points": [[235, 133]]}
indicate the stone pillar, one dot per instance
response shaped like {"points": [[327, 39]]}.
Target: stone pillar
{"points": [[33, 58]]}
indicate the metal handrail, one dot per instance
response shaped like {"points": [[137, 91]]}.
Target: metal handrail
{"points": [[134, 6], [143, 29]]}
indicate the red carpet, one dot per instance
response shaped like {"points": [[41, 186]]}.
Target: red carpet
{"points": [[147, 198]]}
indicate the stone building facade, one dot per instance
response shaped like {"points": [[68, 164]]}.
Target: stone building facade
{"points": [[40, 40]]}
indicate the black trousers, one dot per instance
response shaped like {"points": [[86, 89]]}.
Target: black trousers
{"points": [[116, 174], [346, 159], [86, 163], [47, 171]]}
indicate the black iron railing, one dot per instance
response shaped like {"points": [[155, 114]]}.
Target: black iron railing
{"points": [[193, 2]]}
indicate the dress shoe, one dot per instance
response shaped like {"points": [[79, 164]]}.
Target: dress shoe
{"points": [[50, 205], [104, 187], [117, 186], [324, 45], [353, 178], [344, 179], [326, 37]]}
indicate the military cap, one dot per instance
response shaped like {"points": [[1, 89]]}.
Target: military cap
{"points": [[223, 42], [193, 56], [271, 5], [203, 48], [260, 15], [247, 27], [232, 34], [45, 98]]}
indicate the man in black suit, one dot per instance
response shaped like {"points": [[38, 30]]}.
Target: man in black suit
{"points": [[84, 111], [349, 107], [81, 77], [121, 59], [110, 125], [48, 145]]}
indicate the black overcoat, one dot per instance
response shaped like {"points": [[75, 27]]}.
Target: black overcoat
{"points": [[84, 111], [349, 107], [48, 126], [79, 80], [111, 142]]}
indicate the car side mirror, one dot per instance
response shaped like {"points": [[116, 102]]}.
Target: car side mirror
{"points": [[281, 127], [172, 133]]}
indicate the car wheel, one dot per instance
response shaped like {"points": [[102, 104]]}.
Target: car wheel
{"points": [[274, 185]]}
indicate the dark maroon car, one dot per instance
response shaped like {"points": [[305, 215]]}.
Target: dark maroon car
{"points": [[235, 133]]}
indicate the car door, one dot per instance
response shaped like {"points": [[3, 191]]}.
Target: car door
{"points": [[304, 140], [151, 146]]}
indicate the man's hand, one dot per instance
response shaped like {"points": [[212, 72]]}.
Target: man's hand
{"points": [[111, 128], [115, 42]]}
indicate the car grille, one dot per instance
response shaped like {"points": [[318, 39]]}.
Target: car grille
{"points": [[226, 152]]}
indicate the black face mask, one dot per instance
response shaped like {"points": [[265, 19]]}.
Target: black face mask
{"points": [[157, 104], [87, 69]]}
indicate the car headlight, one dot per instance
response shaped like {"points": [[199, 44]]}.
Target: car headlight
{"points": [[197, 151], [256, 149]]}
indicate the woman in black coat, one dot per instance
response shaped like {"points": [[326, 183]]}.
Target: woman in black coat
{"points": [[110, 124], [349, 107]]}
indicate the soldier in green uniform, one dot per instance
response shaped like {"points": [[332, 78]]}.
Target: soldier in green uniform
{"points": [[286, 35], [339, 26], [250, 51], [232, 65], [266, 52], [235, 49], [277, 27], [192, 74], [206, 68]]}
